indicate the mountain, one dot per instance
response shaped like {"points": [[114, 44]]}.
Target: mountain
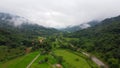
{"points": [[20, 24], [19, 27], [80, 27], [17, 34], [102, 40]]}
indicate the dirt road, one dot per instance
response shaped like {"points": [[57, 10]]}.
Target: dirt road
{"points": [[96, 60], [28, 66]]}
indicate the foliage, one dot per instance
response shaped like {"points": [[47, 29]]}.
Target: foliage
{"points": [[102, 40], [20, 62], [18, 38], [70, 58]]}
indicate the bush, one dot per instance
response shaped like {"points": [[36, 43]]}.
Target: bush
{"points": [[46, 59], [76, 59], [60, 59]]}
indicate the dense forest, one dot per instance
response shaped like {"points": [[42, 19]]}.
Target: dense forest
{"points": [[103, 40], [15, 39]]}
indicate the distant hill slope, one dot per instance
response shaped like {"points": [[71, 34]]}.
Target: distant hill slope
{"points": [[103, 40], [21, 24], [80, 27]]}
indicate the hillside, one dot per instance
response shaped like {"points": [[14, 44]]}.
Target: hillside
{"points": [[20, 24], [16, 34], [80, 27], [102, 40]]}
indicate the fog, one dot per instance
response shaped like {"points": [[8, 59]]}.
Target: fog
{"points": [[61, 13]]}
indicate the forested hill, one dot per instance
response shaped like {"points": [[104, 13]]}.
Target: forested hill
{"points": [[16, 34], [80, 27], [110, 26], [20, 24], [102, 40], [14, 28]]}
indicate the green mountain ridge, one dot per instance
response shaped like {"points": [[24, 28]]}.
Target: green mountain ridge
{"points": [[103, 40], [80, 27]]}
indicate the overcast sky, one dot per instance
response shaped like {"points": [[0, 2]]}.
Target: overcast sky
{"points": [[61, 13]]}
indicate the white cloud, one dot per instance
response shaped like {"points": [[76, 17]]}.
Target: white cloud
{"points": [[83, 26], [61, 13]]}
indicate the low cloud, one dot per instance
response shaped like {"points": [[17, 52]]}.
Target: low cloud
{"points": [[61, 13]]}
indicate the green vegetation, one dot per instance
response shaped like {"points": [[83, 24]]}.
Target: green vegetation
{"points": [[20, 62], [72, 59], [55, 47], [51, 61], [102, 40], [10, 53], [14, 40]]}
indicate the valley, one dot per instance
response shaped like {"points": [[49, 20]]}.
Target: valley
{"points": [[34, 46], [56, 55]]}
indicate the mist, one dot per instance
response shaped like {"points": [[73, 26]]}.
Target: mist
{"points": [[61, 13]]}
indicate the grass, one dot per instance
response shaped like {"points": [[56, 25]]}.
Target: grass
{"points": [[48, 64], [20, 62], [89, 61], [72, 60]]}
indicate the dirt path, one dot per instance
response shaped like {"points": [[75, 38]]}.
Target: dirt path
{"points": [[96, 60], [28, 66]]}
